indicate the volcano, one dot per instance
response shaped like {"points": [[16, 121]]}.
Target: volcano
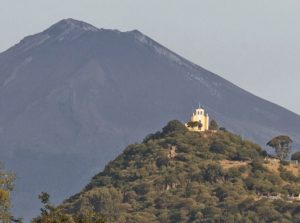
{"points": [[72, 96]]}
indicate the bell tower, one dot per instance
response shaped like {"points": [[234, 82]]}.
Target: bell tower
{"points": [[199, 116]]}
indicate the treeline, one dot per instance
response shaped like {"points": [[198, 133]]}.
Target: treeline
{"points": [[176, 175], [180, 176]]}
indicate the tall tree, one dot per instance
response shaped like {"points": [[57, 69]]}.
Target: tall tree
{"points": [[6, 186], [282, 145], [213, 125], [174, 126], [50, 213]]}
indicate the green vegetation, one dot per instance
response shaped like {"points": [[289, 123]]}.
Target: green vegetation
{"points": [[6, 186], [296, 156], [194, 124], [213, 125], [52, 214], [282, 146], [181, 176]]}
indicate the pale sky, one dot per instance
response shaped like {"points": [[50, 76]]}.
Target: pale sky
{"points": [[252, 43]]}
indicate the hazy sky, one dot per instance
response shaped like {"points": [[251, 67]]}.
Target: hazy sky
{"points": [[253, 43]]}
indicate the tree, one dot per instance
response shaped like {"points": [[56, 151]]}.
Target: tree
{"points": [[282, 146], [296, 156], [50, 213], [174, 126], [213, 173], [194, 124], [213, 125], [6, 186], [87, 215], [109, 202]]}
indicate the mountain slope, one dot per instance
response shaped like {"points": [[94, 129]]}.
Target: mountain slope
{"points": [[181, 176], [73, 95]]}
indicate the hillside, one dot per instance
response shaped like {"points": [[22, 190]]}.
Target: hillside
{"points": [[73, 95], [182, 176]]}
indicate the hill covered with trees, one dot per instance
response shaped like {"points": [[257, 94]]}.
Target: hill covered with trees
{"points": [[181, 176]]}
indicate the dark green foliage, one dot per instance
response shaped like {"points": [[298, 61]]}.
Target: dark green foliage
{"points": [[213, 125], [287, 175], [44, 197], [263, 153], [142, 188], [296, 156], [284, 162], [227, 145], [245, 153], [174, 127], [52, 214], [233, 173], [49, 213], [194, 124], [257, 165], [211, 177], [218, 147], [223, 129], [162, 161], [213, 173], [282, 146]]}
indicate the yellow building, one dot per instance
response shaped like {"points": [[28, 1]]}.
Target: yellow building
{"points": [[198, 116]]}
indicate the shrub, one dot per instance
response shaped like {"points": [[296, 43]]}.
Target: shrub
{"points": [[242, 169], [246, 154], [233, 173], [287, 175], [142, 188], [218, 147], [213, 125], [174, 126], [223, 129], [296, 156], [257, 164], [162, 161], [213, 173], [284, 162]]}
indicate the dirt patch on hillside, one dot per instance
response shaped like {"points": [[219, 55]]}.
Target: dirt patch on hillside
{"points": [[226, 164]]}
